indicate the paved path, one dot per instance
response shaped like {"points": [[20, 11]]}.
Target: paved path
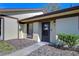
{"points": [[27, 50]]}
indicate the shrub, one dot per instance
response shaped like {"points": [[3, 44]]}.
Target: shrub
{"points": [[57, 44], [69, 39]]}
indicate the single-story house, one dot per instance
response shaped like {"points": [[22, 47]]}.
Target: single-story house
{"points": [[46, 26], [9, 21]]}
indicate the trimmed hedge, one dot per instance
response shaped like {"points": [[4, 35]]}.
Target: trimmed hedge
{"points": [[69, 39]]}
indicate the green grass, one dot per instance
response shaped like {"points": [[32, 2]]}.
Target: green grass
{"points": [[6, 47]]}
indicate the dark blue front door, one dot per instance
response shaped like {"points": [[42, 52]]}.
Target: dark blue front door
{"points": [[46, 31]]}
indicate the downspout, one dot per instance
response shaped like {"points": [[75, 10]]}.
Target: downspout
{"points": [[18, 29]]}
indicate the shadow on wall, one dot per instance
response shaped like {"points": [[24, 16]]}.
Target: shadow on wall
{"points": [[21, 31]]}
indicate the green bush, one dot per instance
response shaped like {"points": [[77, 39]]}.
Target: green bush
{"points": [[69, 39]]}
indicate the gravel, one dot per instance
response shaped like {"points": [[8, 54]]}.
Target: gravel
{"points": [[18, 44], [51, 51], [21, 43], [42, 51]]}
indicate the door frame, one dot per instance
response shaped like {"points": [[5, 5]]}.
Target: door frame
{"points": [[42, 30], [28, 30], [2, 29]]}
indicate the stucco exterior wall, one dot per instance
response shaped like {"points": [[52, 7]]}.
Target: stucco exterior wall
{"points": [[22, 31], [11, 25], [10, 29], [23, 27], [52, 31], [25, 31], [37, 31], [67, 25]]}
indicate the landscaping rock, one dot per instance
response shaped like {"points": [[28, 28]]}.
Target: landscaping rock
{"points": [[51, 51], [18, 44]]}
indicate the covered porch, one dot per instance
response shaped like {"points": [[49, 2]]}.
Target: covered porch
{"points": [[44, 26]]}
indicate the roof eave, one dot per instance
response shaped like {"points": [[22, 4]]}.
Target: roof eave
{"points": [[56, 14]]}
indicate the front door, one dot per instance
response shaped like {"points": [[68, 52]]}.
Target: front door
{"points": [[46, 31]]}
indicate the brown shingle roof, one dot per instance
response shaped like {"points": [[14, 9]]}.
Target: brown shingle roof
{"points": [[53, 13], [12, 10]]}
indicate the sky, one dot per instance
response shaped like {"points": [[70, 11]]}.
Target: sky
{"points": [[67, 5], [23, 5], [34, 5]]}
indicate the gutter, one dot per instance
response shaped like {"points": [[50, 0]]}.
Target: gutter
{"points": [[2, 15]]}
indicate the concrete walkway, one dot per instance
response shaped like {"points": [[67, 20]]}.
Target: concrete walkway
{"points": [[27, 50]]}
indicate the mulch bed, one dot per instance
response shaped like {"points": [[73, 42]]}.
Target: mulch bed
{"points": [[19, 44], [75, 48], [52, 51]]}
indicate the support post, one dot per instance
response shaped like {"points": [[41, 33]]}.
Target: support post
{"points": [[37, 31], [52, 31]]}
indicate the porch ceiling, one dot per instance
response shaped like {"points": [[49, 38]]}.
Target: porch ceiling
{"points": [[74, 11], [20, 11]]}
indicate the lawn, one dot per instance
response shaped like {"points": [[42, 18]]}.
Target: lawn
{"points": [[6, 47]]}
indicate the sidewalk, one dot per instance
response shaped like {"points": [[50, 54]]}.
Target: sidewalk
{"points": [[27, 50]]}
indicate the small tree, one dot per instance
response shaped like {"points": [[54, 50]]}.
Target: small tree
{"points": [[52, 7]]}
